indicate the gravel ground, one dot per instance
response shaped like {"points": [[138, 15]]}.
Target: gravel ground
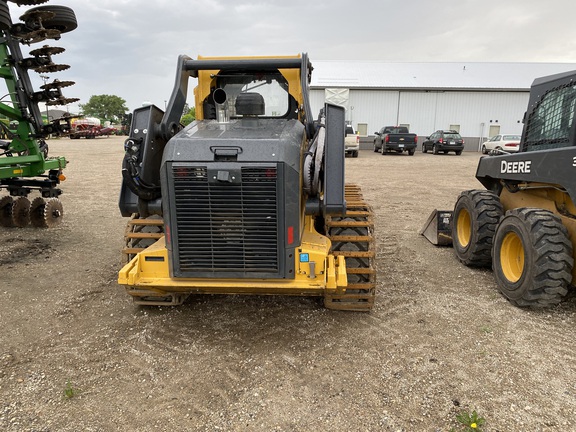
{"points": [[439, 341]]}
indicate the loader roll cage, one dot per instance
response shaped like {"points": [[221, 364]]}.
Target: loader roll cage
{"points": [[188, 68]]}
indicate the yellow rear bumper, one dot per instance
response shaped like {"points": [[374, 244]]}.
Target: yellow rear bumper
{"points": [[149, 270]]}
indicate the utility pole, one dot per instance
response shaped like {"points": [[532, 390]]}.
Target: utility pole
{"points": [[45, 79]]}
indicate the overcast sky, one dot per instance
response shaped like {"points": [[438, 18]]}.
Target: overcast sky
{"points": [[129, 48]]}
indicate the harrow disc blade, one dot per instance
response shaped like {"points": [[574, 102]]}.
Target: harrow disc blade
{"points": [[39, 36], [53, 212], [29, 2], [62, 101], [6, 206], [52, 68], [46, 50], [37, 210], [36, 15], [21, 212], [56, 84]]}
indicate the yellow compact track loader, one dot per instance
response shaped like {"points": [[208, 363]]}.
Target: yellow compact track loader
{"points": [[250, 197]]}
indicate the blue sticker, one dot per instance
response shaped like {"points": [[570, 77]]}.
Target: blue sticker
{"points": [[304, 257]]}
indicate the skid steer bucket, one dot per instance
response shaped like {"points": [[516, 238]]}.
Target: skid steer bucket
{"points": [[438, 228]]}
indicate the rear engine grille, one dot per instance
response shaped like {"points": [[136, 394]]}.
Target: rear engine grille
{"points": [[226, 227]]}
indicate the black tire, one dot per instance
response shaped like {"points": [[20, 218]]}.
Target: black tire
{"points": [[458, 152], [383, 149], [484, 149], [5, 20], [355, 154], [64, 19], [424, 149], [435, 149], [375, 148], [532, 258], [411, 152], [476, 215]]}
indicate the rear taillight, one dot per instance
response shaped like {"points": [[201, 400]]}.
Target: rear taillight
{"points": [[441, 141], [511, 145], [387, 138], [416, 139], [357, 139], [462, 141]]}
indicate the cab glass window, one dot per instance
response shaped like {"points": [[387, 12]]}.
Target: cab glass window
{"points": [[272, 87]]}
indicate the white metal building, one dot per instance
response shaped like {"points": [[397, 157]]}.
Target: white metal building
{"points": [[478, 99]]}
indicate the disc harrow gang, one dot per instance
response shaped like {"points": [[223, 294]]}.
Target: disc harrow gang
{"points": [[352, 236], [19, 212], [25, 147]]}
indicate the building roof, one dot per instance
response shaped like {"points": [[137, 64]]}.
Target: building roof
{"points": [[432, 76]]}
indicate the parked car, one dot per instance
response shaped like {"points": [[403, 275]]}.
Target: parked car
{"points": [[444, 141], [507, 143]]}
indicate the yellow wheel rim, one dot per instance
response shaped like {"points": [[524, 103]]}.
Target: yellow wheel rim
{"points": [[464, 228], [512, 257]]}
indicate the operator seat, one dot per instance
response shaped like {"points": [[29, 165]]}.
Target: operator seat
{"points": [[249, 104]]}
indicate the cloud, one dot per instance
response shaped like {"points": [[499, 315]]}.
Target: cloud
{"points": [[130, 47]]}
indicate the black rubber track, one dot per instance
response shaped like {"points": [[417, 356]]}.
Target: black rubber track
{"points": [[141, 233], [485, 210], [548, 259], [352, 236], [353, 262]]}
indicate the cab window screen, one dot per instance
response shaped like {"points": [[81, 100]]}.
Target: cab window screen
{"points": [[550, 123]]}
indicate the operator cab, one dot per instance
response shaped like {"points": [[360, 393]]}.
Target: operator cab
{"points": [[264, 95]]}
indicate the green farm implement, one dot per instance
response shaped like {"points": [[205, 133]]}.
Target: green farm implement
{"points": [[24, 162]]}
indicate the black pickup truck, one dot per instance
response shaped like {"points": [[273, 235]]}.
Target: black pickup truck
{"points": [[395, 138]]}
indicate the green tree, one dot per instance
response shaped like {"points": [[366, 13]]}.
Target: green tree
{"points": [[105, 107], [188, 116]]}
